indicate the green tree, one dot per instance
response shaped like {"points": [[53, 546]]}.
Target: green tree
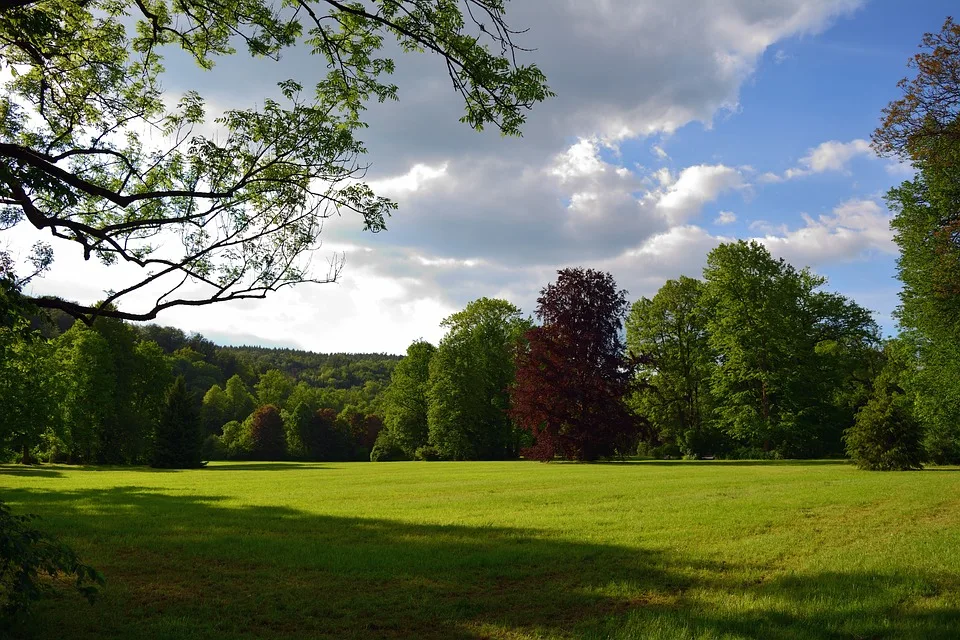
{"points": [[178, 440], [89, 387], [886, 436], [923, 127], [215, 410], [243, 209], [671, 331], [240, 402], [29, 385], [785, 351], [470, 376], [295, 423], [405, 400], [273, 388]]}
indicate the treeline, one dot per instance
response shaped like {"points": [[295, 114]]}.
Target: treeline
{"points": [[100, 394], [754, 361]]}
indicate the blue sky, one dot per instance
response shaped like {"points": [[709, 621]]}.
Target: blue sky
{"points": [[676, 126]]}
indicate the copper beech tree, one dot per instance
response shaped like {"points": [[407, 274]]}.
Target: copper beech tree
{"points": [[572, 375], [203, 208]]}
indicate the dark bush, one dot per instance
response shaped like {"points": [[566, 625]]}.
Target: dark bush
{"points": [[885, 436], [426, 453], [386, 449]]}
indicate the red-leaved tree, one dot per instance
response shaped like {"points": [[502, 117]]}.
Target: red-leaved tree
{"points": [[266, 433], [573, 375]]}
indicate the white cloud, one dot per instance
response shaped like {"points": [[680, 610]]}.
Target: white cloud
{"points": [[580, 160], [409, 182], [696, 186], [827, 156], [725, 217], [854, 228]]}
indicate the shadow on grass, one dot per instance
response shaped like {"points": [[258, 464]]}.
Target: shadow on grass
{"points": [[36, 472], [733, 463], [190, 567], [265, 466]]}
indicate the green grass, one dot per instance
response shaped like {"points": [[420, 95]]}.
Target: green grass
{"points": [[504, 550]]}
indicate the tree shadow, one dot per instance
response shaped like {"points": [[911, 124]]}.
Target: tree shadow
{"points": [[192, 566], [741, 463], [29, 471], [266, 466]]}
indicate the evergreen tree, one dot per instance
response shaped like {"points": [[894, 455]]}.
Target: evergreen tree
{"points": [[178, 439]]}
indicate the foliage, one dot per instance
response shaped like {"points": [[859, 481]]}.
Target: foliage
{"points": [[786, 352], [236, 440], [266, 434], [405, 400], [178, 440], [671, 330], [885, 436], [386, 449], [929, 108], [572, 378], [93, 154], [30, 559], [240, 402], [273, 388], [427, 453], [470, 374], [326, 437]]}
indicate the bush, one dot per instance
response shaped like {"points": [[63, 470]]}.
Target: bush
{"points": [[386, 449], [236, 440], [213, 449], [26, 554], [885, 436], [426, 453]]}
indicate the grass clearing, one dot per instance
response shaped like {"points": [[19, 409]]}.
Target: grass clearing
{"points": [[503, 550]]}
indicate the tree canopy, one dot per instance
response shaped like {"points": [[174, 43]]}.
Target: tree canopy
{"points": [[94, 154]]}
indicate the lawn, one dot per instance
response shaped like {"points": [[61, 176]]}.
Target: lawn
{"points": [[503, 550]]}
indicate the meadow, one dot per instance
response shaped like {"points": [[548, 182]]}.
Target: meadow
{"points": [[655, 549]]}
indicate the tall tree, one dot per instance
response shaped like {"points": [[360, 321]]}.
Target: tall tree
{"points": [[178, 440], [405, 400], [238, 213], [573, 376], [266, 434], [784, 348], [923, 127], [470, 374], [240, 402], [671, 329], [273, 388], [89, 388]]}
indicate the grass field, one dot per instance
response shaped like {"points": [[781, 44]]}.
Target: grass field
{"points": [[504, 550]]}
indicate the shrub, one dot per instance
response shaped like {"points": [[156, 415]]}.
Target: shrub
{"points": [[386, 448], [426, 453], [213, 449], [26, 554], [885, 436]]}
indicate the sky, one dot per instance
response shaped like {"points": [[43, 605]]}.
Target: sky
{"points": [[676, 126]]}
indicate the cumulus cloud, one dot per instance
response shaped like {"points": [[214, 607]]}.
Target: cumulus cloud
{"points": [[848, 233], [483, 215], [827, 156], [725, 217]]}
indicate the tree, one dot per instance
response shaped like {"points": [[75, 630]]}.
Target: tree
{"points": [[923, 127], [671, 330], [405, 400], [273, 388], [572, 377], [240, 402], [886, 436], [326, 437], [236, 214], [178, 440], [929, 109], [470, 374], [266, 434], [89, 385], [215, 410]]}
